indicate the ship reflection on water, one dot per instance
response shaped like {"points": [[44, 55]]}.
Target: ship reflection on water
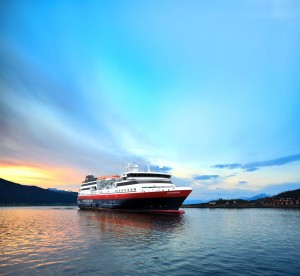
{"points": [[123, 223]]}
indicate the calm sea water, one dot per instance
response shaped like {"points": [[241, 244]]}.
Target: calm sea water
{"points": [[66, 241]]}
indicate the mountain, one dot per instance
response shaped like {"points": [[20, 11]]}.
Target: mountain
{"points": [[289, 194], [59, 191], [259, 196], [16, 194]]}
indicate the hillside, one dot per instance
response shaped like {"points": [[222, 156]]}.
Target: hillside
{"points": [[257, 202], [289, 194], [16, 194]]}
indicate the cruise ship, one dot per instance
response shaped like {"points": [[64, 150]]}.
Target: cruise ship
{"points": [[133, 191]]}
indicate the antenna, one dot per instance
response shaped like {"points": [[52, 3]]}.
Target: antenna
{"points": [[148, 166]]}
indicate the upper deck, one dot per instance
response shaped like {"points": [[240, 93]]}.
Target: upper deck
{"points": [[132, 178]]}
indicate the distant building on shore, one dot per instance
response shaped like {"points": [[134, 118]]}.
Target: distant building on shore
{"points": [[281, 202]]}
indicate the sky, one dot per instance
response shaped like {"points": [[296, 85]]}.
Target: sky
{"points": [[210, 90]]}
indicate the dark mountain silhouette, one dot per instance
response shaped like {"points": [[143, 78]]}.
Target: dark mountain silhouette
{"points": [[16, 194], [289, 194]]}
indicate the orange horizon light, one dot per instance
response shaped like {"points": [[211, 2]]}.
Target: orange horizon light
{"points": [[41, 175]]}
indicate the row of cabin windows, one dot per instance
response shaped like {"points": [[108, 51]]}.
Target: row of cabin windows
{"points": [[90, 183], [127, 190], [121, 190], [93, 188], [148, 175]]}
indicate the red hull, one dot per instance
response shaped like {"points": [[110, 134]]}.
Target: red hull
{"points": [[167, 202]]}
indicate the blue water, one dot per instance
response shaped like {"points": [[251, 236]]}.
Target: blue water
{"points": [[66, 241]]}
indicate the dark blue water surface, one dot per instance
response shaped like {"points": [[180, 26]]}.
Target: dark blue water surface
{"points": [[66, 241]]}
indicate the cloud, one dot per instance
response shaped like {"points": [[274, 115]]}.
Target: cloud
{"points": [[205, 177], [251, 169], [54, 123], [243, 182], [228, 166], [160, 168], [274, 162], [254, 166]]}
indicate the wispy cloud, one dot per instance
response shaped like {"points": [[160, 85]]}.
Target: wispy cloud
{"points": [[274, 162], [51, 123], [254, 166], [228, 166], [205, 177], [251, 169]]}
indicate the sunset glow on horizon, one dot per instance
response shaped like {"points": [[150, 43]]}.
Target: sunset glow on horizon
{"points": [[40, 175]]}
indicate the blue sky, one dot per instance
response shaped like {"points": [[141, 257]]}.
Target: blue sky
{"points": [[210, 89]]}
